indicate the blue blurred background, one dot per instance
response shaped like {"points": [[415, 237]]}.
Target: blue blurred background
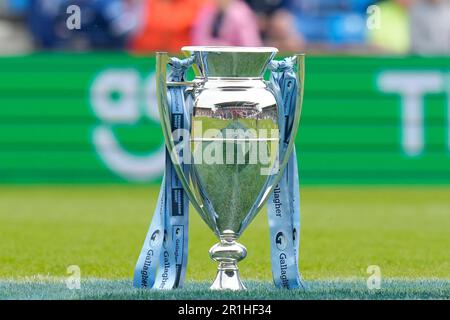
{"points": [[368, 26]]}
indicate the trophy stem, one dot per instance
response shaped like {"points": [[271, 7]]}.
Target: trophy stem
{"points": [[227, 253]]}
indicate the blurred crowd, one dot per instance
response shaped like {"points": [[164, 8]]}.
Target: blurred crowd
{"points": [[367, 26]]}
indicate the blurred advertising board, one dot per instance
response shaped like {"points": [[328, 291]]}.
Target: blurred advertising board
{"points": [[92, 118]]}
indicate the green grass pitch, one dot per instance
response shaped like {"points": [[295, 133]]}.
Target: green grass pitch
{"points": [[403, 230], [317, 289]]}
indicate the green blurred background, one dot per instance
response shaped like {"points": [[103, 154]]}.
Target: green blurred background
{"points": [[81, 158], [92, 118]]}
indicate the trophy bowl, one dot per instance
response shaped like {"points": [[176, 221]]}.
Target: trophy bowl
{"points": [[234, 152]]}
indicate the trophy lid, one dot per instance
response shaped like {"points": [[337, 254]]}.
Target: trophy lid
{"points": [[234, 62]]}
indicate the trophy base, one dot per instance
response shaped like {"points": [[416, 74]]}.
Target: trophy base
{"points": [[228, 253]]}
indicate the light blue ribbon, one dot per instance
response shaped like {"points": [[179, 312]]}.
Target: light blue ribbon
{"points": [[163, 258], [284, 202]]}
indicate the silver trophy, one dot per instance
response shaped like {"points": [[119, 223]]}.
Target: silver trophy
{"points": [[233, 147]]}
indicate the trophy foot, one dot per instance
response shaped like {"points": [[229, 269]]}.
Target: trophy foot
{"points": [[227, 253], [227, 278]]}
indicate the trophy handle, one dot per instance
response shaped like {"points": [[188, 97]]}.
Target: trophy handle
{"points": [[162, 60], [300, 75], [299, 68]]}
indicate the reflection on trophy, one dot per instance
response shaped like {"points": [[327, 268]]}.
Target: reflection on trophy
{"points": [[231, 144]]}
